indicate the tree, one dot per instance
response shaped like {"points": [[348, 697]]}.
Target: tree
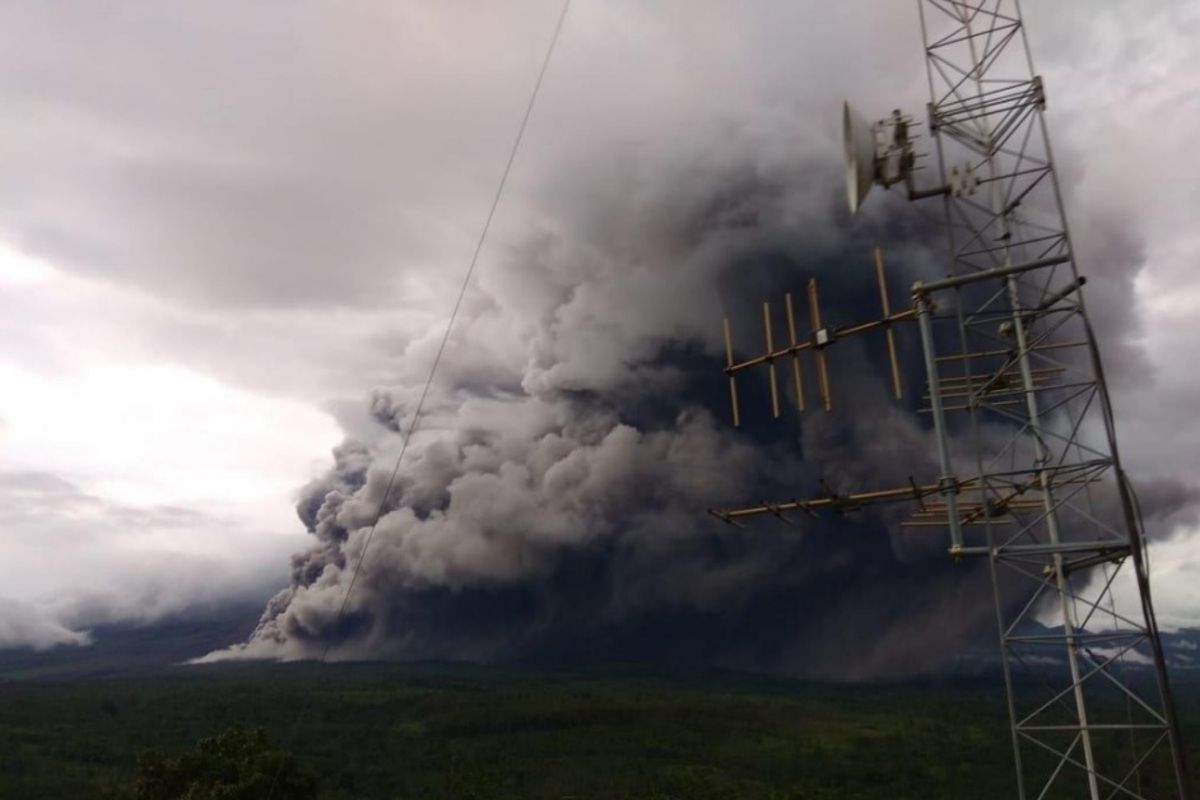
{"points": [[239, 764]]}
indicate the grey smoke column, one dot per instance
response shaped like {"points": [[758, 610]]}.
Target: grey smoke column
{"points": [[552, 503]]}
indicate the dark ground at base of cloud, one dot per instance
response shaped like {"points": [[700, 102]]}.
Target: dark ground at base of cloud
{"points": [[129, 650], [123, 649]]}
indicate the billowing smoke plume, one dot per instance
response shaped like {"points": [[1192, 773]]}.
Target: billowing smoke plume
{"points": [[552, 505]]}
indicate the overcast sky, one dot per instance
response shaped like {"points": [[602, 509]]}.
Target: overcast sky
{"points": [[224, 225]]}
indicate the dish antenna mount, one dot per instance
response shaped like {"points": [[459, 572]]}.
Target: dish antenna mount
{"points": [[882, 153]]}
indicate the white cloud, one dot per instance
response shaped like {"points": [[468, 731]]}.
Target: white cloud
{"points": [[75, 559], [1124, 100], [162, 486], [26, 625], [1175, 580], [158, 433]]}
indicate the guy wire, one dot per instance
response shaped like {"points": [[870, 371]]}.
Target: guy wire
{"points": [[437, 359]]}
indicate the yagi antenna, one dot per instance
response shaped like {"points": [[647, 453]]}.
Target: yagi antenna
{"points": [[820, 338]]}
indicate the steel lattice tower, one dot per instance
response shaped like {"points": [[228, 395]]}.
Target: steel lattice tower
{"points": [[1015, 383]]}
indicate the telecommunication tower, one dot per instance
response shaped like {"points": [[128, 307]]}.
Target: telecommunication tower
{"points": [[1015, 381]]}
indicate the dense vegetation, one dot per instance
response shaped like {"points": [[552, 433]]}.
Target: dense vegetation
{"points": [[471, 732], [238, 764]]}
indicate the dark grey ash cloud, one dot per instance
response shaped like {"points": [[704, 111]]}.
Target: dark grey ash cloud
{"points": [[551, 507], [553, 504]]}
